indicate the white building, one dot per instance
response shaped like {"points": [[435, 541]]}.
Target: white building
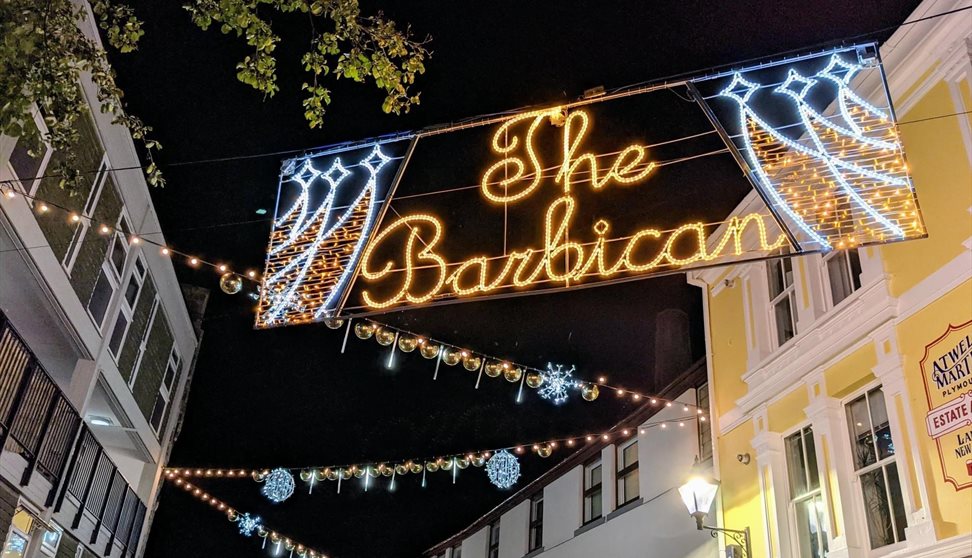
{"points": [[96, 346], [615, 499]]}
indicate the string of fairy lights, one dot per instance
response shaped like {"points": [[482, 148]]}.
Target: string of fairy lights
{"points": [[231, 281], [553, 384], [249, 525], [502, 464]]}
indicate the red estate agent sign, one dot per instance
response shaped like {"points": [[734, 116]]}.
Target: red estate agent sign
{"points": [[947, 372]]}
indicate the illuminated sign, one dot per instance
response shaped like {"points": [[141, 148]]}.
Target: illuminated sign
{"points": [[589, 192]]}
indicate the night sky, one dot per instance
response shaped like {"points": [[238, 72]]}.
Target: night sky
{"points": [[288, 396]]}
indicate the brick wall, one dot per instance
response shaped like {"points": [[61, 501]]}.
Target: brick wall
{"points": [[153, 364], [136, 331], [58, 230]]}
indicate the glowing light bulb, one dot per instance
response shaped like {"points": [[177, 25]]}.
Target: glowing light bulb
{"points": [[104, 229], [43, 208]]}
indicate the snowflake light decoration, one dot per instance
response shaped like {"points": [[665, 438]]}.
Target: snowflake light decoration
{"points": [[556, 383], [279, 485], [503, 469], [248, 524]]}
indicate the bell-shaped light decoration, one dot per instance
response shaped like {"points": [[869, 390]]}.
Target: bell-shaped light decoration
{"points": [[698, 494]]}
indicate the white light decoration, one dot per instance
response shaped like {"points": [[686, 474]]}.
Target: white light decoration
{"points": [[840, 178], [315, 245], [556, 383], [278, 486], [503, 469], [248, 524]]}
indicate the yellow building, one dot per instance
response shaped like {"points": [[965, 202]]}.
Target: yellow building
{"points": [[841, 383]]}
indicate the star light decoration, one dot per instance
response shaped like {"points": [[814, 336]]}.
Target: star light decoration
{"points": [[556, 383], [841, 178], [315, 245], [278, 486], [248, 524], [503, 469]]}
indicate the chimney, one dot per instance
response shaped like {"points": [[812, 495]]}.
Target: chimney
{"points": [[673, 346]]}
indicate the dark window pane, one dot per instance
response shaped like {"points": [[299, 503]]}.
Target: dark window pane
{"points": [[118, 333], [774, 275], [131, 292], [862, 442], [839, 277], [100, 297], [795, 460], [139, 267], [158, 411], [784, 321], [26, 167], [118, 253], [855, 265], [882, 428], [877, 509], [812, 474], [897, 503], [169, 376]]}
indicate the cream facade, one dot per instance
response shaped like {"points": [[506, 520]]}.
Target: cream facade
{"points": [[837, 380]]}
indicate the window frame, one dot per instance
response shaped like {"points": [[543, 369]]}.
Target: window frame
{"points": [[879, 463], [535, 522], [786, 295], [623, 473], [143, 343], [492, 547], [856, 282], [87, 217], [165, 392], [456, 550], [588, 492], [124, 308], [113, 275], [35, 181], [805, 431]]}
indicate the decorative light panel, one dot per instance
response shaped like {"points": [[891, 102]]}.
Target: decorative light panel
{"points": [[328, 206], [829, 162], [815, 136]]}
